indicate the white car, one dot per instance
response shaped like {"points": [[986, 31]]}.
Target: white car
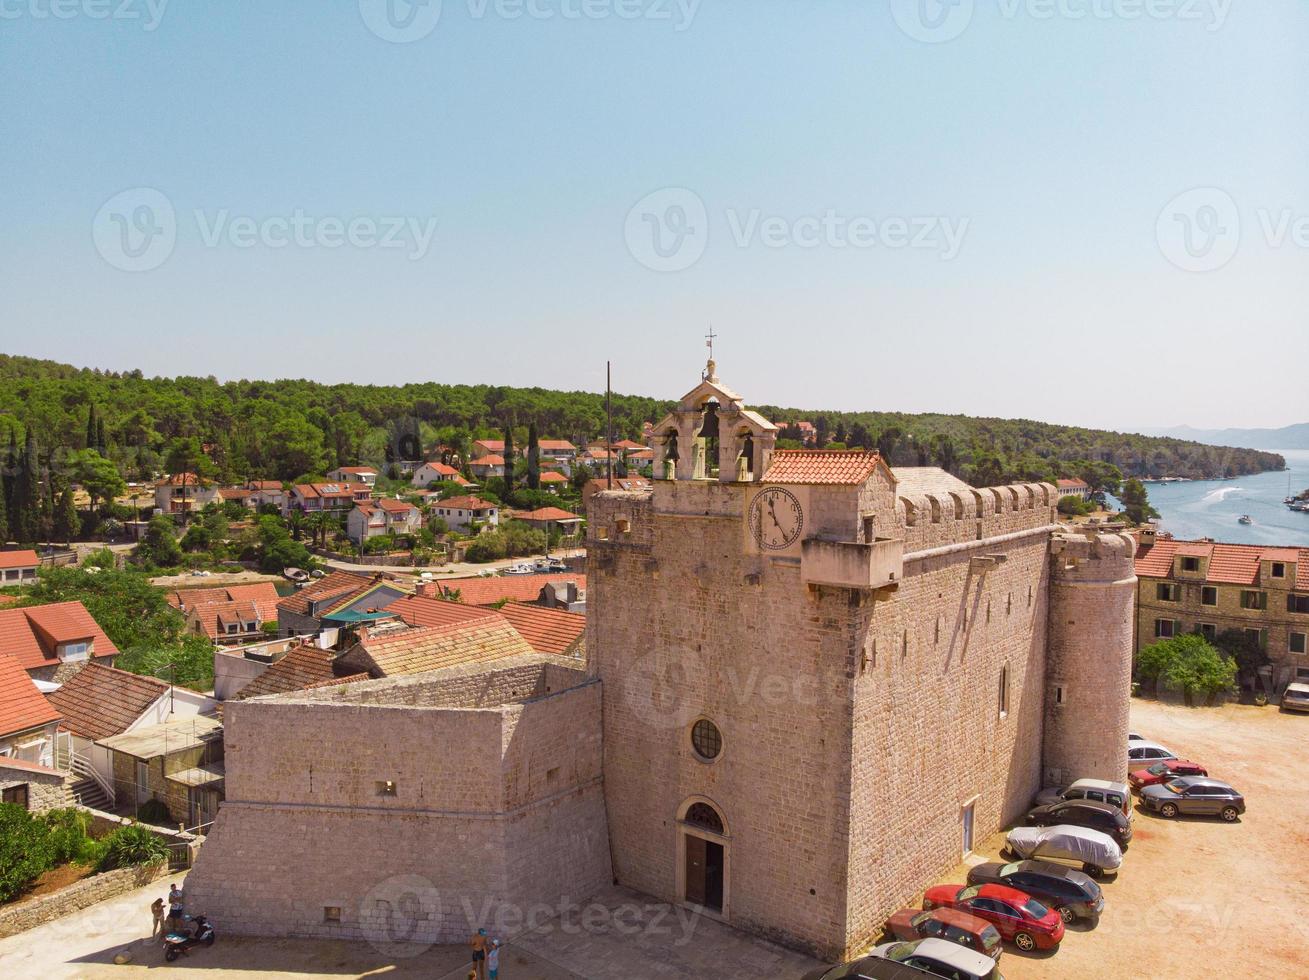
{"points": [[1090, 851], [519, 569], [940, 958], [1296, 697], [1142, 754]]}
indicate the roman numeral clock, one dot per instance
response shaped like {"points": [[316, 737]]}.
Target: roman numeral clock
{"points": [[776, 519]]}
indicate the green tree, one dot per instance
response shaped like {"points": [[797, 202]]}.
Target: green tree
{"points": [[509, 461], [277, 550], [67, 521], [98, 476], [1186, 664], [4, 519], [533, 458], [1245, 651], [25, 516], [1136, 502], [91, 427], [159, 545]]}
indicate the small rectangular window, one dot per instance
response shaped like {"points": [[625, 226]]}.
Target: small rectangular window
{"points": [[1256, 636], [331, 913], [1059, 695], [1004, 691], [1166, 592], [1164, 628], [1297, 603], [386, 787], [1279, 570], [1254, 600], [1190, 564], [1298, 642], [1209, 596], [1208, 630]]}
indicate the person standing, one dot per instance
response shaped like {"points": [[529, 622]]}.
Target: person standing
{"points": [[176, 907], [157, 912], [479, 945], [493, 960]]}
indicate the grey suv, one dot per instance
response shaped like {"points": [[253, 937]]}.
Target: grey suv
{"points": [[1197, 795]]}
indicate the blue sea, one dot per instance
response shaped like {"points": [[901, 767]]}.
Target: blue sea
{"points": [[1210, 508]]}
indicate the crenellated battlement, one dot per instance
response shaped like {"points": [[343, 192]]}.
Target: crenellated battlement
{"points": [[951, 516]]}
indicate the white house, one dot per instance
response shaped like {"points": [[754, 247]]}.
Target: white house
{"points": [[1074, 488], [379, 517], [18, 567], [354, 474], [436, 472], [184, 493], [459, 513]]}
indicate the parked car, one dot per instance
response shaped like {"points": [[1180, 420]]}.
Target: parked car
{"points": [[1104, 817], [1096, 854], [550, 565], [869, 968], [939, 958], [1017, 916], [1070, 893], [948, 924], [1134, 737], [1197, 795], [1163, 772], [1142, 754], [1100, 790], [1295, 697], [520, 569]]}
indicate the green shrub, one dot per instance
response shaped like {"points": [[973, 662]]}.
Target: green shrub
{"points": [[1187, 664], [66, 830], [130, 846], [155, 812], [25, 850]]}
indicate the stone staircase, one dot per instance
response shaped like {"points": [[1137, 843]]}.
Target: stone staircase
{"points": [[89, 793]]}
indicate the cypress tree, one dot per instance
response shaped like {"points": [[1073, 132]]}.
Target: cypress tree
{"points": [[27, 494], [101, 443], [4, 519], [509, 461], [90, 427], [11, 473], [67, 520], [533, 458]]}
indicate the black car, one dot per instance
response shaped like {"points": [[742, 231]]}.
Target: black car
{"points": [[1104, 817], [1073, 894]]}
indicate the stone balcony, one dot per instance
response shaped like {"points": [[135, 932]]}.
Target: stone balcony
{"points": [[848, 565]]}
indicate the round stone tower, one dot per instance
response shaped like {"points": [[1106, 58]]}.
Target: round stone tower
{"points": [[1089, 656]]}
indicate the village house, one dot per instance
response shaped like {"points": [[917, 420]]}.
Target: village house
{"points": [[435, 471], [553, 481], [18, 567], [559, 452], [562, 591], [485, 467], [551, 520], [178, 762], [266, 493], [228, 614], [331, 498], [304, 666], [180, 494], [99, 702], [1072, 487], [366, 475], [382, 517], [53, 641], [339, 599], [32, 786], [29, 724], [463, 513], [1208, 587], [488, 447]]}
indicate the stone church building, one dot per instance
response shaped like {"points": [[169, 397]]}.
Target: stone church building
{"points": [[812, 682]]}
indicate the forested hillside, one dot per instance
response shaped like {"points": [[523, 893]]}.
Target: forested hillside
{"points": [[292, 428]]}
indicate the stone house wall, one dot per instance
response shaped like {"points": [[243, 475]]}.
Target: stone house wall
{"points": [[80, 895], [45, 791]]}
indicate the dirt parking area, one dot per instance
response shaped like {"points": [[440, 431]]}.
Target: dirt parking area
{"points": [[1197, 897]]}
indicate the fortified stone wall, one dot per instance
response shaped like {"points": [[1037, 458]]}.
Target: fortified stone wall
{"points": [[929, 520], [402, 821], [933, 730], [682, 625], [1088, 694]]}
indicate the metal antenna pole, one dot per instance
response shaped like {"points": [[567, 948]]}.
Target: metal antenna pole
{"points": [[609, 416]]}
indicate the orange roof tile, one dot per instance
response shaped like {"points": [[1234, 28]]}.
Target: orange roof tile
{"points": [[825, 466], [30, 634], [100, 701], [1229, 564], [555, 445], [465, 503], [551, 476], [19, 559], [433, 647], [22, 706], [332, 586], [547, 630], [547, 514], [1067, 484], [488, 461], [515, 588], [422, 610], [303, 666]]}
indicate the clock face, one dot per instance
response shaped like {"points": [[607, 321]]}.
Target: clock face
{"points": [[776, 519]]}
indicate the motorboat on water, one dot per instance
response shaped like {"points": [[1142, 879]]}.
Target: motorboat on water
{"points": [[1245, 519]]}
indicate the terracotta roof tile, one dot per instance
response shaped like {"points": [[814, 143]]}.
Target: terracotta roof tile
{"points": [[29, 634], [465, 503], [1066, 484], [331, 586], [552, 477], [546, 514], [8, 762], [19, 559], [420, 610], [490, 460], [22, 706], [1156, 560], [1229, 564], [100, 701], [433, 647], [303, 666], [515, 588], [546, 630], [555, 445], [825, 466]]}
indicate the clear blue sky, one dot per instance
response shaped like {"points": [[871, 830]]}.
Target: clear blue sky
{"points": [[1055, 144]]}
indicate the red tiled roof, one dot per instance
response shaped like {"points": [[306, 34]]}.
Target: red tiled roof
{"points": [[1229, 564], [394, 506], [547, 630], [628, 483], [303, 666], [488, 461], [552, 477], [214, 617], [8, 762], [355, 470], [334, 585], [433, 647], [465, 503], [181, 480], [100, 701], [22, 706], [491, 445], [348, 679], [628, 444], [442, 469], [556, 445], [332, 489], [19, 559], [255, 592], [265, 485], [515, 588], [30, 634], [1156, 560], [422, 610], [825, 466], [1066, 484], [546, 514]]}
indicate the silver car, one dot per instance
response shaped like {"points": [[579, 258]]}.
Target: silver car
{"points": [[1091, 851], [1296, 697]]}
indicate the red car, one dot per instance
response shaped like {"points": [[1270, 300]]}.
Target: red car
{"points": [[948, 924], [1016, 915], [1162, 772]]}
